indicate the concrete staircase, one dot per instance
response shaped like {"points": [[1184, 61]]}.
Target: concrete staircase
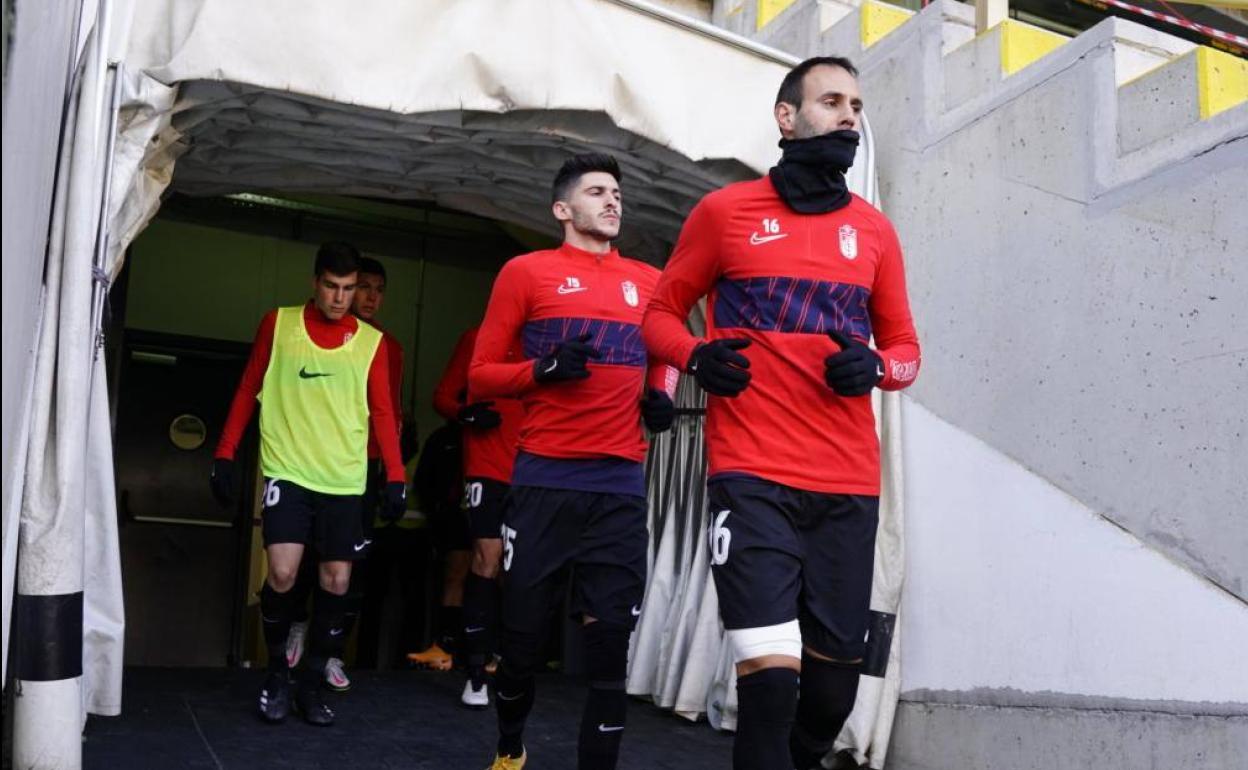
{"points": [[1165, 85], [1073, 215]]}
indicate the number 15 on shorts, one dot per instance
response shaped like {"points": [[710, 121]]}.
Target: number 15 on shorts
{"points": [[721, 538], [509, 546]]}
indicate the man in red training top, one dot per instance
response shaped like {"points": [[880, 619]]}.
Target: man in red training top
{"points": [[578, 495], [322, 378], [491, 430], [800, 274]]}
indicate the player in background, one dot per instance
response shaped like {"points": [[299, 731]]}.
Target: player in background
{"points": [[323, 379], [490, 430]]}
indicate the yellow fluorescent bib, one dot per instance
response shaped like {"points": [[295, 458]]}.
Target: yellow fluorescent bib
{"points": [[314, 408]]}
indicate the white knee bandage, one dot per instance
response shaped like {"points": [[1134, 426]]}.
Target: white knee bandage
{"points": [[782, 639]]}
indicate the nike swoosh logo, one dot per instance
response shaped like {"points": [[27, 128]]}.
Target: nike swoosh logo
{"points": [[335, 632], [571, 289], [604, 729], [306, 375], [360, 547], [759, 240], [517, 696], [636, 612], [474, 630], [550, 368]]}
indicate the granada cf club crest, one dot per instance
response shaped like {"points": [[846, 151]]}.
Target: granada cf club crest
{"points": [[849, 242], [630, 293]]}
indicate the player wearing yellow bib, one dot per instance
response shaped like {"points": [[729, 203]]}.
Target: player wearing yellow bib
{"points": [[321, 378]]}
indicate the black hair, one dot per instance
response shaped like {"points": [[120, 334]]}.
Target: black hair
{"points": [[791, 87], [578, 166], [338, 258], [372, 267]]}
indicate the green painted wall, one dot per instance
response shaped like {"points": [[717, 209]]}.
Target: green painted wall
{"points": [[210, 282]]}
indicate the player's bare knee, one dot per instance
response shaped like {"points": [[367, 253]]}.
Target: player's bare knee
{"points": [[842, 662], [281, 577], [335, 580], [486, 557]]}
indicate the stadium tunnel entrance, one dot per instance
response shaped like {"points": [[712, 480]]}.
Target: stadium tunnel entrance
{"points": [[185, 309], [213, 146], [258, 175]]}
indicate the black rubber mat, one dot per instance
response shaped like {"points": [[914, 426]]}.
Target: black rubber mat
{"points": [[205, 718]]}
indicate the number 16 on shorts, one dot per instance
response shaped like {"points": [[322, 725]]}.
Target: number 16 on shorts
{"points": [[721, 538]]}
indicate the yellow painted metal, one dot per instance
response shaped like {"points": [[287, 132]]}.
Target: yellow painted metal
{"points": [[878, 19], [1222, 80], [768, 10], [1022, 44]]}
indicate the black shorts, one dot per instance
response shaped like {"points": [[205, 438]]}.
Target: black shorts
{"points": [[448, 525], [374, 485], [779, 554], [330, 524], [483, 503], [601, 537]]}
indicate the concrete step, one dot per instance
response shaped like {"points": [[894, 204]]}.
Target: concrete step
{"points": [[1163, 101], [1165, 83]]}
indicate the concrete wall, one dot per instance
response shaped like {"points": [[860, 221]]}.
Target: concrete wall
{"points": [[1077, 556]]}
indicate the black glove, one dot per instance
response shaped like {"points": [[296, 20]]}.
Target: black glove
{"points": [[566, 361], [395, 504], [479, 415], [222, 481], [719, 368], [657, 411], [853, 371]]}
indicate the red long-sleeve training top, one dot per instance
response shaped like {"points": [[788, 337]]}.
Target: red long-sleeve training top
{"points": [[394, 363], [329, 335], [545, 297], [489, 453], [782, 279]]}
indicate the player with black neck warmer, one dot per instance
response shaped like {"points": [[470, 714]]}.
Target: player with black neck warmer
{"points": [[800, 274], [810, 177]]}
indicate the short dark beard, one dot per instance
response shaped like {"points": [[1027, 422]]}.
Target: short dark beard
{"points": [[591, 230], [802, 129]]}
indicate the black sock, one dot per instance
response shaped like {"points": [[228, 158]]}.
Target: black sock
{"points": [[354, 600], [275, 612], [305, 581], [480, 621], [450, 626], [766, 703], [602, 727], [827, 696], [325, 635], [514, 699]]}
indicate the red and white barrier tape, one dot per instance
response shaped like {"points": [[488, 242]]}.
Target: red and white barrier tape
{"points": [[1217, 34]]}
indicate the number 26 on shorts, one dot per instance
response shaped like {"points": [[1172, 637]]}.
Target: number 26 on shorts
{"points": [[272, 493]]}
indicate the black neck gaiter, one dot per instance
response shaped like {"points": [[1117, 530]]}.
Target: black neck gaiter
{"points": [[810, 177]]}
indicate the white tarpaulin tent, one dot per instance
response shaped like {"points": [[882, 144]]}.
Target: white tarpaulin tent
{"points": [[469, 103]]}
